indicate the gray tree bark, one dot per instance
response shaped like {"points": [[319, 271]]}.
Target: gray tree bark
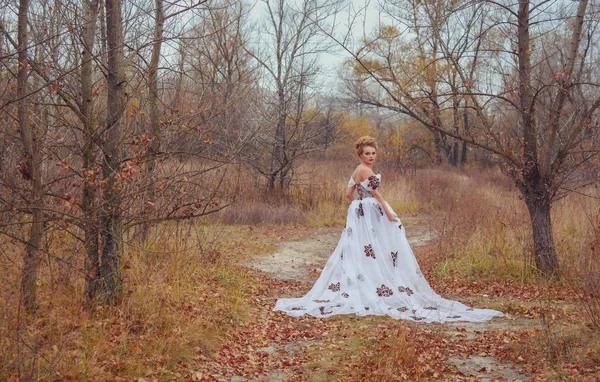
{"points": [[111, 234], [88, 205], [153, 99], [31, 167]]}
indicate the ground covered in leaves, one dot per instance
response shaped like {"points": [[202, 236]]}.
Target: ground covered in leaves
{"points": [[541, 338], [203, 312]]}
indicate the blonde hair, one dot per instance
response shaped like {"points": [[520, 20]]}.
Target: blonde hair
{"points": [[363, 142]]}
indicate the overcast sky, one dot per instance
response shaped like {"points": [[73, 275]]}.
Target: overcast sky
{"points": [[332, 61]]}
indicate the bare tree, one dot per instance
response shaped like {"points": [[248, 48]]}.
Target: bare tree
{"points": [[31, 166], [87, 95], [111, 233], [290, 42], [501, 89], [88, 200]]}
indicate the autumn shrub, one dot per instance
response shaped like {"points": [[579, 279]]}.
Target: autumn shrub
{"points": [[479, 224], [180, 299], [393, 360], [484, 231], [315, 197], [567, 350], [252, 212], [586, 273]]}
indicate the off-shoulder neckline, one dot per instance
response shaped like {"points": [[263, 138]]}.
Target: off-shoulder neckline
{"points": [[367, 179]]}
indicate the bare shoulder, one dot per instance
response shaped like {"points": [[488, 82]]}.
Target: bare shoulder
{"points": [[361, 173]]}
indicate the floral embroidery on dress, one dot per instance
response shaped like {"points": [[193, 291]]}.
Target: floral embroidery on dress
{"points": [[360, 210], [363, 192], [374, 182], [406, 290], [369, 251], [384, 291], [376, 289]]}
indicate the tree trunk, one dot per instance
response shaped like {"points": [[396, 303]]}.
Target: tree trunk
{"points": [[277, 156], [31, 167], [177, 98], [463, 156], [533, 185], [154, 145], [463, 153], [437, 141], [2, 141], [88, 205], [112, 235], [525, 94], [539, 203], [454, 155]]}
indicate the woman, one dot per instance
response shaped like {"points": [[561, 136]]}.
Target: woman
{"points": [[373, 271]]}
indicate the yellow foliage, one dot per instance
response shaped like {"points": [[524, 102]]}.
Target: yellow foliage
{"points": [[388, 33], [367, 65], [357, 126]]}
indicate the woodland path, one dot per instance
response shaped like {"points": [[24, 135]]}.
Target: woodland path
{"points": [[300, 262]]}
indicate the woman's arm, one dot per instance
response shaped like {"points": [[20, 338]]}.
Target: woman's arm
{"points": [[350, 193], [391, 217]]}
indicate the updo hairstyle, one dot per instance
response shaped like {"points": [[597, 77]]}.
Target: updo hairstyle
{"points": [[363, 142]]}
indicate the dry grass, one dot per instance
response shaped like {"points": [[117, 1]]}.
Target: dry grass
{"points": [[317, 197], [483, 227], [181, 299], [255, 213], [184, 292]]}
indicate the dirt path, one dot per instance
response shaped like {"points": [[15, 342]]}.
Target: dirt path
{"points": [[303, 260]]}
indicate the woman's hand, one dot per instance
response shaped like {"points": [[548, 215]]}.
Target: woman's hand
{"points": [[391, 217]]}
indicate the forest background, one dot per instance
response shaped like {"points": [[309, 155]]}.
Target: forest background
{"points": [[148, 149]]}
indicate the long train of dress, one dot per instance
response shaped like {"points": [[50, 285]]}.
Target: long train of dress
{"points": [[373, 271]]}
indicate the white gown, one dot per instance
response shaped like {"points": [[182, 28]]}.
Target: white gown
{"points": [[373, 271]]}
